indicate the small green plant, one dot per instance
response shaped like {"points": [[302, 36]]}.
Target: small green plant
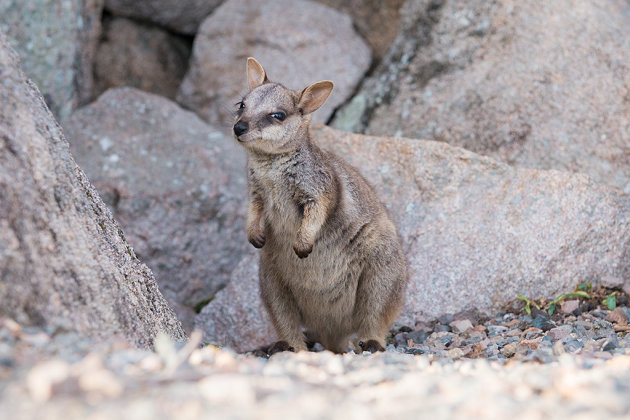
{"points": [[602, 295], [610, 301], [528, 303], [577, 293], [587, 287], [583, 290]]}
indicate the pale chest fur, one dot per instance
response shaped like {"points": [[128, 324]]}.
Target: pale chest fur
{"points": [[278, 185]]}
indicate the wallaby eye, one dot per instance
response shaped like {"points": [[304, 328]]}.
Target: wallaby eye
{"points": [[240, 104], [280, 116]]}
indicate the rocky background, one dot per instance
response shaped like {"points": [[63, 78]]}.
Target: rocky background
{"points": [[496, 132]]}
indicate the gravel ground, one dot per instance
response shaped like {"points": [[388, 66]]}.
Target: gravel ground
{"points": [[575, 364]]}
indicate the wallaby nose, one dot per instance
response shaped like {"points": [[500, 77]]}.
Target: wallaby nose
{"points": [[240, 128]]}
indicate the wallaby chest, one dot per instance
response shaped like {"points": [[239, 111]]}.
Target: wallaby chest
{"points": [[283, 185]]}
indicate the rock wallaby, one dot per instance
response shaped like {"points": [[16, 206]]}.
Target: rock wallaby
{"points": [[331, 260]]}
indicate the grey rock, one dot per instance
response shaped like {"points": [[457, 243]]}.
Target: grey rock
{"points": [[442, 328], [400, 339], [417, 351], [476, 338], [543, 354], [533, 334], [586, 325], [56, 41], [492, 351], [64, 260], [600, 313], [183, 16], [236, 317], [603, 329], [418, 336], [611, 343], [543, 323], [139, 55], [176, 185], [445, 319], [573, 345], [6, 354], [535, 84], [297, 41]]}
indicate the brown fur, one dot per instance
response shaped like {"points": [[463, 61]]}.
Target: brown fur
{"points": [[331, 259]]}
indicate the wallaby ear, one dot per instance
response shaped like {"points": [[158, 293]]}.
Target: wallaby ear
{"points": [[256, 75], [314, 96]]}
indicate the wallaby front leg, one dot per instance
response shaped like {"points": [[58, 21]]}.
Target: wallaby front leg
{"points": [[312, 221], [282, 309], [255, 233]]}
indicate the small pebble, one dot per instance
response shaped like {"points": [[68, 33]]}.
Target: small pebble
{"points": [[509, 350], [461, 326], [441, 328], [496, 329], [568, 306], [418, 336], [618, 316]]}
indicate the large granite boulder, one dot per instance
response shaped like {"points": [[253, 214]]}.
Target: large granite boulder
{"points": [[376, 21], [532, 83], [183, 16], [139, 55], [176, 185], [297, 41], [477, 233], [64, 261], [56, 41]]}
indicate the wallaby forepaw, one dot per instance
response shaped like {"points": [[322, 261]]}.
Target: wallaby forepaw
{"points": [[371, 345], [278, 347], [257, 240], [302, 250]]}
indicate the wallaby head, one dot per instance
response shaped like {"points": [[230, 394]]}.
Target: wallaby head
{"points": [[273, 119]]}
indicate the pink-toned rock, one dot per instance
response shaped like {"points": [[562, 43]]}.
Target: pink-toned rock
{"points": [[64, 260], [569, 306], [56, 41], [476, 232], [376, 21], [559, 333], [618, 316], [176, 185], [139, 55], [533, 83], [461, 325], [182, 16], [297, 41], [529, 344]]}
